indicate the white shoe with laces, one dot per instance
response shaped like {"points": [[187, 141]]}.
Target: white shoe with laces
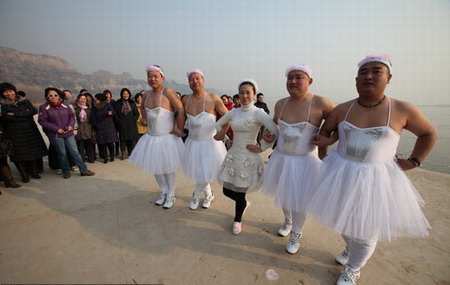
{"points": [[195, 200], [342, 258], [348, 276], [237, 227], [207, 202], [293, 243], [169, 202], [161, 199], [285, 229]]}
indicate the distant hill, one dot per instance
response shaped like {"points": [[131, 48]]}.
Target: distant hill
{"points": [[32, 73]]}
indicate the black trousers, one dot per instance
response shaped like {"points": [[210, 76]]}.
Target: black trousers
{"points": [[241, 203]]}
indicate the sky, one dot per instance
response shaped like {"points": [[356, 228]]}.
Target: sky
{"points": [[236, 39]]}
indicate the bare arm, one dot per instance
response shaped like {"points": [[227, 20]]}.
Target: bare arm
{"points": [[221, 110], [426, 134], [175, 102], [328, 133]]}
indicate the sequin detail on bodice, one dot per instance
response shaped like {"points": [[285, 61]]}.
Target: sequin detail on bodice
{"points": [[374, 144], [295, 139], [159, 120], [202, 126]]}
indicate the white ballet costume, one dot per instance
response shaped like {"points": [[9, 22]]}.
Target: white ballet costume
{"points": [[204, 155], [364, 195], [158, 151], [242, 169]]}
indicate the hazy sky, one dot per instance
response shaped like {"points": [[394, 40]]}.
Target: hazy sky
{"points": [[236, 39]]}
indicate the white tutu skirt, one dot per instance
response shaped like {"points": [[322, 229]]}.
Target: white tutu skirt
{"points": [[241, 171], [289, 179], [158, 154], [203, 159], [368, 200]]}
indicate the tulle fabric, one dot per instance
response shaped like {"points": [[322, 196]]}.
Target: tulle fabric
{"points": [[289, 179], [203, 159], [158, 154], [241, 171], [368, 200]]}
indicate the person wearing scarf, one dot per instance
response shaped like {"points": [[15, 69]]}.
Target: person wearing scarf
{"points": [[84, 131], [126, 115], [58, 121]]}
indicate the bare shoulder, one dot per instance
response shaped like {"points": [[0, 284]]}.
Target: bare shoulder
{"points": [[403, 106], [185, 98], [279, 104], [168, 91], [323, 103], [213, 97]]}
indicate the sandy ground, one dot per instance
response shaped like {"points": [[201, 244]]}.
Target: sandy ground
{"points": [[106, 229]]}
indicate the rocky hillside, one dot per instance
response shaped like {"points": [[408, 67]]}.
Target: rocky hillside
{"points": [[32, 73]]}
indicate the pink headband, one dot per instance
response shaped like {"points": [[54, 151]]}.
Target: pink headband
{"points": [[302, 67], [195, 70], [154, 68], [383, 58]]}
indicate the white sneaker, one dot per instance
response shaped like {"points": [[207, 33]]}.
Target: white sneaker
{"points": [[348, 276], [195, 200], [160, 199], [342, 258], [74, 168], [237, 227], [285, 229], [293, 243], [58, 171], [169, 202], [207, 202]]}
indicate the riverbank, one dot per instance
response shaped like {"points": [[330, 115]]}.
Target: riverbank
{"points": [[106, 229]]}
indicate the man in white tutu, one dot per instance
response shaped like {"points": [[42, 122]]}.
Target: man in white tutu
{"points": [[204, 155], [295, 163], [160, 151], [364, 194]]}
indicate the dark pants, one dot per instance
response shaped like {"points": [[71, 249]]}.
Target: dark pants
{"points": [[241, 203], [86, 149]]}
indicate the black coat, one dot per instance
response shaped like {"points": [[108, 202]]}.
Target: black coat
{"points": [[126, 124], [27, 140], [104, 124]]}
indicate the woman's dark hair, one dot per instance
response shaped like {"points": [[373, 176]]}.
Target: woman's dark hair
{"points": [[21, 93], [123, 90], [5, 86], [138, 95], [106, 91], [48, 89], [100, 96], [224, 95], [248, 83], [85, 95]]}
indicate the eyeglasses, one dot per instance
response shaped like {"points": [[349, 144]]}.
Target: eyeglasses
{"points": [[51, 95]]}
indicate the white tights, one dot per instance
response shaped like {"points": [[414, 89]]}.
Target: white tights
{"points": [[359, 251], [200, 187], [297, 219], [167, 183]]}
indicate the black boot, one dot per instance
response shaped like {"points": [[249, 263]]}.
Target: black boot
{"points": [[32, 169], [23, 171]]}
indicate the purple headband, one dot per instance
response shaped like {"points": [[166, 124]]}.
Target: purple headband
{"points": [[195, 70], [154, 68]]}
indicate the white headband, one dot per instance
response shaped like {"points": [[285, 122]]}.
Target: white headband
{"points": [[154, 68], [195, 70], [383, 58], [302, 67], [253, 82]]}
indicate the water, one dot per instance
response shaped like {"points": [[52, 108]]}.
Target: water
{"points": [[439, 158]]}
